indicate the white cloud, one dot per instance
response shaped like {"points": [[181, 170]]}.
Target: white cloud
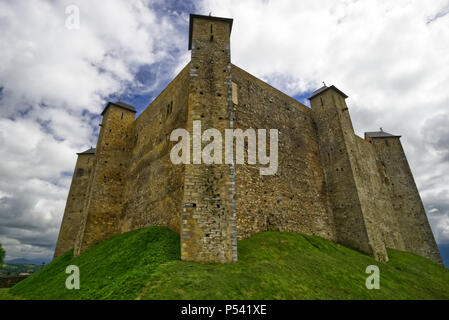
{"points": [[54, 83], [46, 62]]}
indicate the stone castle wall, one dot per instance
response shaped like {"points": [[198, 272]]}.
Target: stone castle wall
{"points": [[293, 199], [154, 186], [133, 182], [329, 182]]}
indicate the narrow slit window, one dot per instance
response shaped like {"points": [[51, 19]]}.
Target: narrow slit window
{"points": [[169, 108]]}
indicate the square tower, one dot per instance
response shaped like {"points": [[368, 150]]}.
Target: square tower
{"points": [[208, 226]]}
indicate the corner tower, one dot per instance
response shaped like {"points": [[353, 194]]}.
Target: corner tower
{"points": [[354, 222], [409, 211], [208, 221], [73, 212], [104, 200]]}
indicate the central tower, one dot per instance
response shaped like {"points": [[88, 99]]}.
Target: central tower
{"points": [[208, 220]]}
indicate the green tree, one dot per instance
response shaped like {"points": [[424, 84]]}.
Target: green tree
{"points": [[2, 254]]}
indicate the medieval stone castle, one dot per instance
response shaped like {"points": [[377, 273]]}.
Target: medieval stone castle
{"points": [[330, 182]]}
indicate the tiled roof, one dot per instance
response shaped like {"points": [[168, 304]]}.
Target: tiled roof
{"points": [[380, 134], [121, 105], [325, 88], [88, 151]]}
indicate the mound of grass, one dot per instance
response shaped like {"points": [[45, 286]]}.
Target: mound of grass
{"points": [[145, 264], [5, 295], [114, 269], [275, 265]]}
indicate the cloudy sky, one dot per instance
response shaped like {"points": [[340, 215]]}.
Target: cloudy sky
{"points": [[390, 57]]}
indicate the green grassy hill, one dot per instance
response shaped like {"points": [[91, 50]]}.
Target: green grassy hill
{"points": [[145, 264]]}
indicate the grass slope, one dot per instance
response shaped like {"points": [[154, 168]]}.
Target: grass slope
{"points": [[113, 269], [145, 264], [6, 295]]}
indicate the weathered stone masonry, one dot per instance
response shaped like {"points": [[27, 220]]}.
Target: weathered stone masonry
{"points": [[330, 182], [73, 213], [208, 230]]}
